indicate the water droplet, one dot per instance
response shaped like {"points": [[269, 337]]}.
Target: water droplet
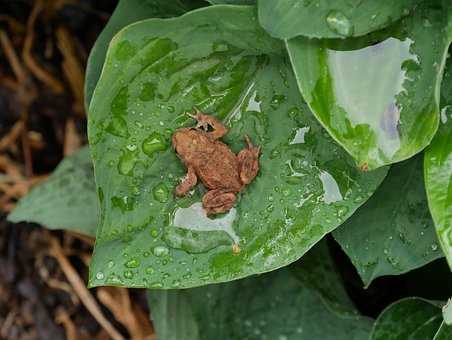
{"points": [[149, 270], [127, 162], [434, 247], [100, 276], [132, 263], [339, 23], [128, 274], [160, 192], [160, 251], [110, 264], [157, 285], [118, 127], [278, 99], [154, 143]]}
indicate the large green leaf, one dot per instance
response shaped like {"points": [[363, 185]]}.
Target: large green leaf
{"points": [[127, 12], [273, 306], [287, 19], [438, 174], [380, 102], [393, 232], [409, 318], [219, 60], [66, 200]]}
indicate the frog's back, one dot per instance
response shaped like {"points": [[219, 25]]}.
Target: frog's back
{"points": [[218, 167]]}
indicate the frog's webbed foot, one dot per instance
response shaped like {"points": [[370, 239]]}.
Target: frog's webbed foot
{"points": [[204, 121], [187, 183], [218, 201], [248, 162]]}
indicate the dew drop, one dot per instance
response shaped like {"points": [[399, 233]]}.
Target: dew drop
{"points": [[100, 276], [160, 192], [110, 264], [160, 251], [154, 143], [157, 285], [128, 274], [132, 263], [149, 270], [339, 23]]}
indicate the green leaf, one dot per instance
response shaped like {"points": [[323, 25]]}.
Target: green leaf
{"points": [[392, 233], [286, 19], [438, 175], [273, 306], [306, 187], [378, 100], [127, 12], [409, 318], [444, 332], [66, 200], [232, 2]]}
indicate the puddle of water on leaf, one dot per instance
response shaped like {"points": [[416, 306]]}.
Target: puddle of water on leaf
{"points": [[331, 192], [195, 218]]}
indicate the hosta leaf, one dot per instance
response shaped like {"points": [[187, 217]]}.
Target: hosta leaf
{"points": [[214, 59], [284, 308], [409, 318], [66, 200], [444, 332], [127, 12], [438, 174], [379, 102], [232, 2], [287, 19], [393, 232]]}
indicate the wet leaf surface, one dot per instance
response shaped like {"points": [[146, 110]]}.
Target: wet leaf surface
{"points": [[409, 318], [234, 311], [393, 232], [127, 12], [438, 172], [66, 200], [377, 95], [155, 71], [287, 19]]}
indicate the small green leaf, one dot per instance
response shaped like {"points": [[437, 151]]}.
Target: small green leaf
{"points": [[392, 233], [278, 305], [438, 173], [409, 318], [231, 68], [127, 12], [286, 19], [378, 100], [66, 200]]}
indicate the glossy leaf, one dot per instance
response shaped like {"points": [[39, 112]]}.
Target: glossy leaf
{"points": [[228, 66], [438, 174], [285, 307], [444, 332], [286, 19], [127, 12], [409, 318], [380, 102], [392, 233], [66, 200], [232, 2]]}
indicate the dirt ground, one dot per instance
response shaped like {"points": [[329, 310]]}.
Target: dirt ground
{"points": [[44, 45]]}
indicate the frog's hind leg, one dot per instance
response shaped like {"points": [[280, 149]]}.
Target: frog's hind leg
{"points": [[218, 201], [204, 121], [248, 162], [187, 183]]}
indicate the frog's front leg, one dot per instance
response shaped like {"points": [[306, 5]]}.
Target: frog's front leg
{"points": [[204, 121], [187, 183], [218, 201], [248, 162]]}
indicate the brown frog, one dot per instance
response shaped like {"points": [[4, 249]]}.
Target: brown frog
{"points": [[213, 162]]}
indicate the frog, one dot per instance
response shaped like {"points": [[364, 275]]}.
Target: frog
{"points": [[223, 173]]}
